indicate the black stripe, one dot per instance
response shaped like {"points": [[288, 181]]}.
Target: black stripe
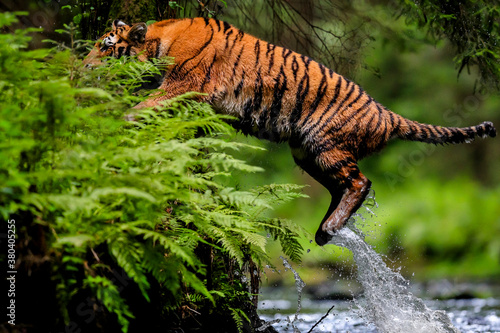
{"points": [[209, 72], [240, 34], [227, 38], [120, 51], [127, 51], [257, 52], [236, 63], [380, 115], [368, 137], [175, 40], [449, 131], [457, 136], [331, 72], [295, 67], [322, 68], [337, 109], [175, 74], [306, 61], [413, 129], [336, 94], [384, 133], [302, 91], [320, 92], [270, 47], [439, 130], [240, 85], [246, 121], [259, 87], [270, 50], [207, 21], [279, 92], [339, 165], [226, 26], [219, 25], [392, 122], [263, 119], [429, 133], [158, 47], [354, 113], [286, 53], [251, 105], [179, 68]]}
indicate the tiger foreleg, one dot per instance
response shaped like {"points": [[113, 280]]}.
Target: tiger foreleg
{"points": [[160, 98]]}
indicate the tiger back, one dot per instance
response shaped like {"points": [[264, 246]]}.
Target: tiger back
{"points": [[277, 94]]}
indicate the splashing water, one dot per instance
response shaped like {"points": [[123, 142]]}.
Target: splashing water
{"points": [[299, 284], [387, 303], [390, 306]]}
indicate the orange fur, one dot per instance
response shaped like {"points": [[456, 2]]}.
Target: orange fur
{"points": [[280, 95]]}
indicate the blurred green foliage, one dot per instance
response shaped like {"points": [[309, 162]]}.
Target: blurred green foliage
{"points": [[438, 214], [472, 27]]}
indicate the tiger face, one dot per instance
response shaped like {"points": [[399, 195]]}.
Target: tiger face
{"points": [[122, 40]]}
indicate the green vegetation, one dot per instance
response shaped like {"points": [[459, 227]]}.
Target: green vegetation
{"points": [[131, 218]]}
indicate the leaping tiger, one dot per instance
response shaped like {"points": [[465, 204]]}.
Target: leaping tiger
{"points": [[329, 122]]}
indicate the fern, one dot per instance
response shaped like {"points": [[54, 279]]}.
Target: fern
{"points": [[145, 197], [129, 258], [107, 293]]}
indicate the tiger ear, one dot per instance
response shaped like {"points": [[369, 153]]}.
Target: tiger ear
{"points": [[138, 33], [117, 24]]}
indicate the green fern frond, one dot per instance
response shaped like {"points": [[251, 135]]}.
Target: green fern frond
{"points": [[107, 293], [167, 243], [251, 238], [129, 255], [238, 317], [194, 282]]}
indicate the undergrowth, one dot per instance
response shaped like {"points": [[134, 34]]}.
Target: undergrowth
{"points": [[120, 222]]}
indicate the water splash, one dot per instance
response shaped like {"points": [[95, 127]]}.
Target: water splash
{"points": [[299, 284], [389, 305]]}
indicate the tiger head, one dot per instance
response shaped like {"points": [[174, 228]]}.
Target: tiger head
{"points": [[123, 39]]}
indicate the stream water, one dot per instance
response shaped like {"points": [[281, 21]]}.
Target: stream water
{"points": [[467, 315], [387, 305]]}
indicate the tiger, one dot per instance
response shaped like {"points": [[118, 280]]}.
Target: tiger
{"points": [[329, 122]]}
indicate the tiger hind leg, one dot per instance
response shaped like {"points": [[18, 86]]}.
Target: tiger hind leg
{"points": [[355, 190], [347, 186]]}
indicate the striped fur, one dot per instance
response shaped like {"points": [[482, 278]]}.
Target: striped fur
{"points": [[277, 94]]}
